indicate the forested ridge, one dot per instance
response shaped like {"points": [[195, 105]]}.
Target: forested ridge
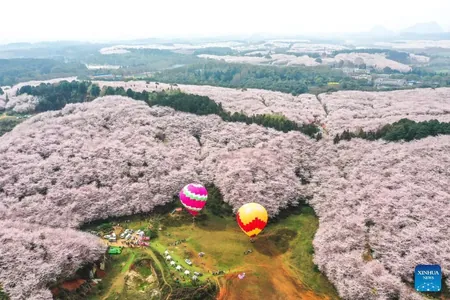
{"points": [[293, 80], [13, 71]]}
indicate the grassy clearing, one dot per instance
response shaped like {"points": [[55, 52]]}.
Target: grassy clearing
{"points": [[279, 267], [300, 256]]}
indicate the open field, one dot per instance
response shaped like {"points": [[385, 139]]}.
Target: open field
{"points": [[279, 267]]}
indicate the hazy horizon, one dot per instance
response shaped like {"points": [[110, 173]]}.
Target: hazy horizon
{"points": [[102, 20]]}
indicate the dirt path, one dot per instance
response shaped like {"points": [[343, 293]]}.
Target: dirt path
{"points": [[119, 281], [161, 268], [273, 279]]}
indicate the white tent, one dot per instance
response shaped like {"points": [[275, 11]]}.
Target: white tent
{"points": [[194, 278], [166, 252], [179, 268], [168, 257], [187, 272], [172, 263]]}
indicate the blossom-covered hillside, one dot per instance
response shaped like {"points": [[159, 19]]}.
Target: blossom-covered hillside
{"points": [[304, 108], [370, 110], [116, 156], [35, 256], [383, 208], [338, 111]]}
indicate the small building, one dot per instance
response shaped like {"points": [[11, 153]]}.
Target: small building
{"points": [[389, 82], [173, 263], [201, 254], [166, 252], [168, 257], [194, 278], [187, 272], [179, 268]]}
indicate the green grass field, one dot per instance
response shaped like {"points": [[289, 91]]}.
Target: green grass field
{"points": [[280, 265]]}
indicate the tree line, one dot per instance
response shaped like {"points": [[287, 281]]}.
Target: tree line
{"points": [[56, 96], [7, 124], [202, 105], [294, 80], [13, 71], [404, 129]]}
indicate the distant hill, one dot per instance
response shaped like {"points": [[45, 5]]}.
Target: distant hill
{"points": [[424, 28], [380, 30]]}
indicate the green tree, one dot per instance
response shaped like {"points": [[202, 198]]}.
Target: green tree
{"points": [[109, 91], [82, 88], [95, 90], [130, 93], [3, 294], [8, 124], [336, 139]]}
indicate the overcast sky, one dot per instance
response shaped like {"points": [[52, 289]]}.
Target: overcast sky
{"points": [[102, 20]]}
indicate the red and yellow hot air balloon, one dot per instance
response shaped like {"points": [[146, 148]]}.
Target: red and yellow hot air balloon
{"points": [[252, 218]]}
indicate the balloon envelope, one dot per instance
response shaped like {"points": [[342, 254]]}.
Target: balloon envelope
{"points": [[252, 218], [193, 197]]}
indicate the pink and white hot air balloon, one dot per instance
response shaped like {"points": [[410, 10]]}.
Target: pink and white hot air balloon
{"points": [[193, 196]]}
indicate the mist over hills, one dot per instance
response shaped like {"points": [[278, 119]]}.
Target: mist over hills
{"points": [[424, 28]]}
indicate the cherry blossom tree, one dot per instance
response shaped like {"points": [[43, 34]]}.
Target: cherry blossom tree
{"points": [[383, 209], [370, 110], [21, 103], [34, 256]]}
